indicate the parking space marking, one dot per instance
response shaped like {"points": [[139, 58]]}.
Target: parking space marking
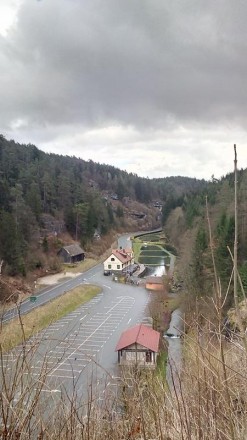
{"points": [[83, 342], [69, 371], [59, 375], [88, 349], [93, 345], [83, 317], [71, 355]]}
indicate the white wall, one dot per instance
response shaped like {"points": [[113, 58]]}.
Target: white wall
{"points": [[131, 357], [115, 264]]}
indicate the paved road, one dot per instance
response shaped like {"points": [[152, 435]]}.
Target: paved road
{"points": [[49, 293], [93, 275]]}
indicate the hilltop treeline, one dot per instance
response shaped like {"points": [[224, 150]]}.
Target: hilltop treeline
{"points": [[193, 223], [76, 192]]}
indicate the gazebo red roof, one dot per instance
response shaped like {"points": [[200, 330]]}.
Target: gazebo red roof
{"points": [[140, 334]]}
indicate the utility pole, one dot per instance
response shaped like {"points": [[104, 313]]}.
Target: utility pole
{"points": [[235, 256]]}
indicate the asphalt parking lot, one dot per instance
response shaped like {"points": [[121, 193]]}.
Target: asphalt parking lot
{"points": [[81, 346], [79, 349]]}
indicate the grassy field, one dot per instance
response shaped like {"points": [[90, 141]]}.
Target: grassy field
{"points": [[80, 267], [17, 331], [136, 246]]}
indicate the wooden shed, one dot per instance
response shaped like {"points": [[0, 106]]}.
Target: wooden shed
{"points": [[71, 254]]}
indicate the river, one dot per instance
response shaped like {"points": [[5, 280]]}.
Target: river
{"points": [[174, 363]]}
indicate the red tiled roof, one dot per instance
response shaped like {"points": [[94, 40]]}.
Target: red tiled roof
{"points": [[155, 280], [141, 334], [122, 255]]}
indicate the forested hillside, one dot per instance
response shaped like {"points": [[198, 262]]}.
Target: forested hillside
{"points": [[46, 193], [187, 225]]}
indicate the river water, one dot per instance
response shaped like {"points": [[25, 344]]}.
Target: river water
{"points": [[174, 364]]}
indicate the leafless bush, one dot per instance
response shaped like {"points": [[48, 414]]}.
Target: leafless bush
{"points": [[209, 400]]}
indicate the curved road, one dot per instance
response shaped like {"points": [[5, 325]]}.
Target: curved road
{"points": [[49, 293], [93, 276]]}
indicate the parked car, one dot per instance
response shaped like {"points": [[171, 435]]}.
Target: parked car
{"points": [[107, 272]]}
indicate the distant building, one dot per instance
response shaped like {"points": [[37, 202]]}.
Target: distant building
{"points": [[138, 346], [71, 254], [119, 259]]}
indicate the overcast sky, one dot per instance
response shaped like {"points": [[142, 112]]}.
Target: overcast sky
{"points": [[155, 87]]}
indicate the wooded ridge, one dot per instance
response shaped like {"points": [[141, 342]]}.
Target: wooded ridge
{"points": [[48, 200], [43, 194]]}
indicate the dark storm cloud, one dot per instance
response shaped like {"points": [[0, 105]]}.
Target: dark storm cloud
{"points": [[133, 62]]}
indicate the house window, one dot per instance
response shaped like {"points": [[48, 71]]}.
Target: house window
{"points": [[109, 266], [148, 356], [118, 266], [112, 259]]}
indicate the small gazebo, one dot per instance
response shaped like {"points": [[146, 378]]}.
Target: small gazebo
{"points": [[138, 346]]}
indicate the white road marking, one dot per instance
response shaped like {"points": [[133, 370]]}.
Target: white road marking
{"points": [[66, 353], [49, 391], [59, 375], [81, 344], [69, 370], [88, 349]]}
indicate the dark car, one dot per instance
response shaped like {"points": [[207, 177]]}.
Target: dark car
{"points": [[107, 273]]}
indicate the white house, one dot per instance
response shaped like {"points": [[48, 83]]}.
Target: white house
{"points": [[119, 260]]}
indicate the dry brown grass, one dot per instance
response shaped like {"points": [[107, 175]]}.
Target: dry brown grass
{"points": [[212, 398]]}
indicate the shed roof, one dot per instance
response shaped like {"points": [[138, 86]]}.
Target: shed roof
{"points": [[74, 249], [141, 334]]}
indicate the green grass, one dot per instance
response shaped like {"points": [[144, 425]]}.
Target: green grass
{"points": [[16, 331], [136, 246]]}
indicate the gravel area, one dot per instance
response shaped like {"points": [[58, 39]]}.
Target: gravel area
{"points": [[49, 280]]}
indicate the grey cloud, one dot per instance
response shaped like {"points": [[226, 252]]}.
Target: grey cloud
{"points": [[134, 62], [141, 84]]}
